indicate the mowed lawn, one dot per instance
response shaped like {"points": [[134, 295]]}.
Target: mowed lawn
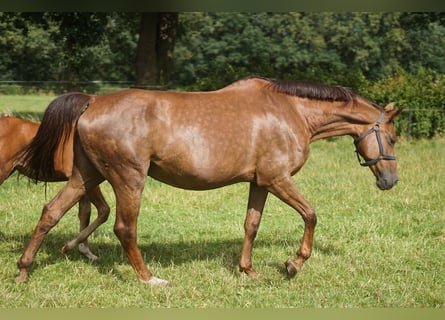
{"points": [[372, 248]]}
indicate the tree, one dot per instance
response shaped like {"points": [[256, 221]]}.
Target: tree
{"points": [[352, 48], [425, 41], [154, 56], [27, 51], [75, 47]]}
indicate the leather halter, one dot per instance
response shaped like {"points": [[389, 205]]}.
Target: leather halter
{"points": [[382, 155]]}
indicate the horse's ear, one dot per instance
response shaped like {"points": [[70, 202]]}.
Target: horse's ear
{"points": [[390, 106], [394, 113]]}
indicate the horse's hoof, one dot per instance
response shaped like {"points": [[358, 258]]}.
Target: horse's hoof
{"points": [[291, 268], [87, 252], [90, 255], [65, 248], [22, 277], [157, 282], [250, 272]]}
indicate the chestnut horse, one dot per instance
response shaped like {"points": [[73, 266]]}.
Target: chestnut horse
{"points": [[256, 130], [15, 134]]}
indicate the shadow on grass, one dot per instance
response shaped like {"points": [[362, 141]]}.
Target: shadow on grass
{"points": [[225, 251]]}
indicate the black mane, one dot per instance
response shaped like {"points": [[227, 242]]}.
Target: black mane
{"points": [[311, 90]]}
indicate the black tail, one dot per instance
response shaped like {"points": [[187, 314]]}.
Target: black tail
{"points": [[61, 115]]}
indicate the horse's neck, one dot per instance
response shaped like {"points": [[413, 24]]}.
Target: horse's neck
{"points": [[339, 119]]}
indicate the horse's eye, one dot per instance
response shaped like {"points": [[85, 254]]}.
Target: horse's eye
{"points": [[391, 140]]}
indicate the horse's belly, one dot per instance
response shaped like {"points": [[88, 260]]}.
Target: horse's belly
{"points": [[196, 179]]}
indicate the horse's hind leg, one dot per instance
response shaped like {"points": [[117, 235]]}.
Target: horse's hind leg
{"points": [[128, 199], [51, 214], [257, 199], [286, 190], [103, 210], [84, 220]]}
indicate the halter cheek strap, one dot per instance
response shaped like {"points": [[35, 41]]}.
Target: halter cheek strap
{"points": [[382, 155]]}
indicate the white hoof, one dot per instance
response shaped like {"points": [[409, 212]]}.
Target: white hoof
{"points": [[157, 282], [87, 252]]}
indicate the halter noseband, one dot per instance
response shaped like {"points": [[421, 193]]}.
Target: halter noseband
{"points": [[382, 155]]}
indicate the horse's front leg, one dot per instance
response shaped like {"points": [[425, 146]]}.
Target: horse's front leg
{"points": [[286, 190], [257, 199]]}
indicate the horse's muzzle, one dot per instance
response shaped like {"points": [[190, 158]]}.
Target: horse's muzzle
{"points": [[385, 183]]}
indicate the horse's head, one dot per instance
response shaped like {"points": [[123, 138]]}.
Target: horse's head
{"points": [[376, 146]]}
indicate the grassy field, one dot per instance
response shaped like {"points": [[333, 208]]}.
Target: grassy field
{"points": [[372, 248]]}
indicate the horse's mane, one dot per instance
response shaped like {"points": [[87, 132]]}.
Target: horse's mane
{"points": [[314, 90], [310, 90]]}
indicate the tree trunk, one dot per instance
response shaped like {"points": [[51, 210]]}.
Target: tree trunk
{"points": [[167, 27], [154, 56], [146, 64]]}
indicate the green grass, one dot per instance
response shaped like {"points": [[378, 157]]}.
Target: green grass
{"points": [[29, 107], [372, 248]]}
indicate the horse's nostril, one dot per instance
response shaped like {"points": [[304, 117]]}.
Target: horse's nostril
{"points": [[396, 180]]}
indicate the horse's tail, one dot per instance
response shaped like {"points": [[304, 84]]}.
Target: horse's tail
{"points": [[58, 122]]}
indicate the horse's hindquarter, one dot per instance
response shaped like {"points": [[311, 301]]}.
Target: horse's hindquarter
{"points": [[15, 134], [190, 140]]}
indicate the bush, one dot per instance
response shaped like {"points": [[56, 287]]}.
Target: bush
{"points": [[422, 94]]}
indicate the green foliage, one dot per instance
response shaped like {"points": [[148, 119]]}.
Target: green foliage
{"points": [[67, 47], [214, 49], [26, 49], [422, 94]]}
